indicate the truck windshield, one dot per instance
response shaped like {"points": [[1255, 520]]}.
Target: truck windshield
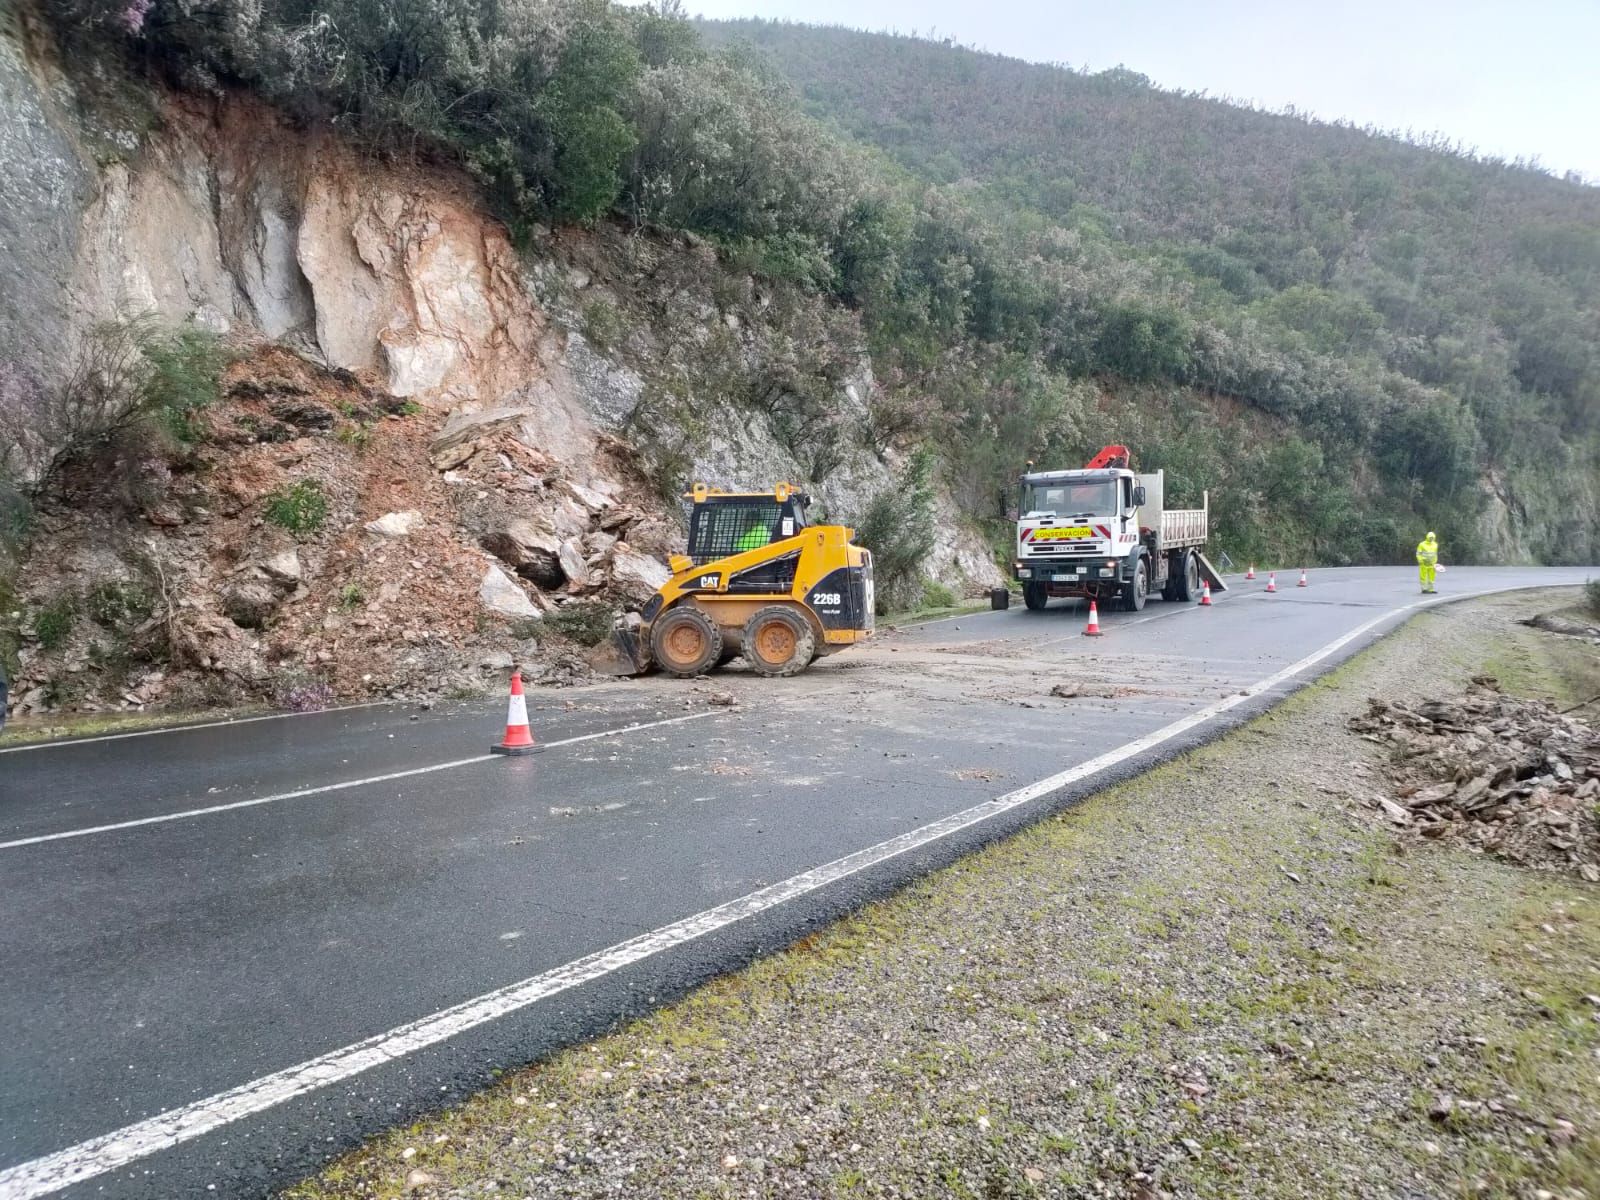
{"points": [[1095, 497]]}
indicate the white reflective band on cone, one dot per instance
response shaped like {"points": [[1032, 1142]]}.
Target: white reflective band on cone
{"points": [[518, 712]]}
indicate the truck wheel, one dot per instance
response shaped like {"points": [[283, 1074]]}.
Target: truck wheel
{"points": [[1189, 576], [685, 642], [1035, 596], [778, 641], [1136, 589]]}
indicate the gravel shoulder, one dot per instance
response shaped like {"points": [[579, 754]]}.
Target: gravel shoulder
{"points": [[1227, 977]]}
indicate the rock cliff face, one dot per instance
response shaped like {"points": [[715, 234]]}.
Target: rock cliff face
{"points": [[478, 454]]}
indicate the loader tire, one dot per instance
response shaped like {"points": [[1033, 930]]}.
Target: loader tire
{"points": [[685, 642], [778, 641]]}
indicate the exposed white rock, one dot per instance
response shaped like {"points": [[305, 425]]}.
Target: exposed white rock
{"points": [[573, 564], [500, 594], [395, 524], [284, 566]]}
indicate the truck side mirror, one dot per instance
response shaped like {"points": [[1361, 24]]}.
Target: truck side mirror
{"points": [[1138, 495]]}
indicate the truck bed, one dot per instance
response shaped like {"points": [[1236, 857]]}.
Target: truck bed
{"points": [[1183, 527]]}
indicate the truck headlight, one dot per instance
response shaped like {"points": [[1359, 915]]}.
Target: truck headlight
{"points": [[1107, 571], [1024, 572]]}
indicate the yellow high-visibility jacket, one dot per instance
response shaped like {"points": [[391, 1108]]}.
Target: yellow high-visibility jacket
{"points": [[1427, 553]]}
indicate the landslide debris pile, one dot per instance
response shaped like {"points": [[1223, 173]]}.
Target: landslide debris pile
{"points": [[1508, 776]]}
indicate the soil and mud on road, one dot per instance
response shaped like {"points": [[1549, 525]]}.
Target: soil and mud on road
{"points": [[1251, 972]]}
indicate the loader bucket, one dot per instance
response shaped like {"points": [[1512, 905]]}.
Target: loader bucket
{"points": [[626, 654]]}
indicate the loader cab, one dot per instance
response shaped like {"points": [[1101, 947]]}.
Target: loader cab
{"points": [[726, 523]]}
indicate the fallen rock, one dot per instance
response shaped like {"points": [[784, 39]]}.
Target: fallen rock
{"points": [[250, 600], [395, 524], [1551, 623], [635, 576], [448, 458], [500, 594], [532, 550], [573, 564], [284, 567], [303, 414], [1498, 774], [1395, 812]]}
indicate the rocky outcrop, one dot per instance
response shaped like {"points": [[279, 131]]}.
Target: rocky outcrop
{"points": [[399, 354]]}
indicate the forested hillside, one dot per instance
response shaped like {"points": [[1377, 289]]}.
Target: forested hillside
{"points": [[1424, 320], [1346, 338]]}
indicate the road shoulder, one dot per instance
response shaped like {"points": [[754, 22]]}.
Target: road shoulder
{"points": [[1224, 977]]}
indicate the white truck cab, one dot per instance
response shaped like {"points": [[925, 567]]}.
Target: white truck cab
{"points": [[1104, 532]]}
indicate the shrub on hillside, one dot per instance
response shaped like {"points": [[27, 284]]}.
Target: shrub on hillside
{"points": [[131, 395], [898, 528], [301, 508]]}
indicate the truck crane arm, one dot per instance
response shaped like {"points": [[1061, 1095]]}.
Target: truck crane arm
{"points": [[1111, 456]]}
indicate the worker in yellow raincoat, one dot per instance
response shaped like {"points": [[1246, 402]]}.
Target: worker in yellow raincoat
{"points": [[1428, 561]]}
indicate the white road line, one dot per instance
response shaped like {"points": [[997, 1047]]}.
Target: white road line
{"points": [[137, 733], [330, 787], [114, 1150]]}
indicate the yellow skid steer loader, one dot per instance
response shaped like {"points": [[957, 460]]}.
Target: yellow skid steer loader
{"points": [[757, 581]]}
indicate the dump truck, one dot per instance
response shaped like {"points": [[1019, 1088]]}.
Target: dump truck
{"points": [[757, 581], [1104, 533]]}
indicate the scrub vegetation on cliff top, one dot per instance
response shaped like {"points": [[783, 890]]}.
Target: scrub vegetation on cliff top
{"points": [[1345, 335]]}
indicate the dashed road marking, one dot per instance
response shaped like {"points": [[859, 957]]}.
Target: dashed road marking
{"points": [[301, 793]]}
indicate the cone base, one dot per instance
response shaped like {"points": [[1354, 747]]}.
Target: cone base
{"points": [[1093, 633], [515, 751]]}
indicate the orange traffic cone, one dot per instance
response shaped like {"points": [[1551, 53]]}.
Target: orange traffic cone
{"points": [[1205, 594], [519, 739], [1272, 581], [1302, 582], [1251, 573], [1092, 629]]}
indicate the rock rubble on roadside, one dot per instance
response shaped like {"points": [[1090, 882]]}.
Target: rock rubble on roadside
{"points": [[1508, 776]]}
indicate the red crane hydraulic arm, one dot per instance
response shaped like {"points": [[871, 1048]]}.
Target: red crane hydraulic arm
{"points": [[1110, 456]]}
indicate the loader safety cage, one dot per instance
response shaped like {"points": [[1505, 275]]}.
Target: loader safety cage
{"points": [[719, 522]]}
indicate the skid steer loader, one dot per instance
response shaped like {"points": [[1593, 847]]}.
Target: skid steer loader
{"points": [[757, 581]]}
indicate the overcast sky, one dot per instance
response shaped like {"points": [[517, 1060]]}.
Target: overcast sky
{"points": [[1511, 77]]}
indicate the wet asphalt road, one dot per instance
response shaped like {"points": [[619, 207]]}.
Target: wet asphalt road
{"points": [[153, 966]]}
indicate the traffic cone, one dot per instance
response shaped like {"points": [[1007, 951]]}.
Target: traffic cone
{"points": [[1093, 628], [1205, 594], [519, 738], [1272, 581], [1302, 582], [1251, 573]]}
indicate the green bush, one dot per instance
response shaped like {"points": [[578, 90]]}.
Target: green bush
{"points": [[185, 377], [898, 528], [115, 604], [587, 622], [53, 623], [301, 508], [937, 595]]}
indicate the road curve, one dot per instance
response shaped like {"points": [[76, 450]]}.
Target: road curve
{"points": [[232, 951]]}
